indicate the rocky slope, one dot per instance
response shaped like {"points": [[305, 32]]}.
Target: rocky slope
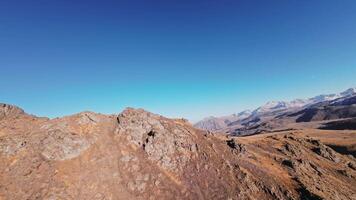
{"points": [[140, 155]]}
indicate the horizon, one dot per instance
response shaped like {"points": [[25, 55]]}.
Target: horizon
{"points": [[206, 117], [179, 59]]}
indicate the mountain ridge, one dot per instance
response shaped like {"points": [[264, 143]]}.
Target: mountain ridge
{"points": [[272, 107]]}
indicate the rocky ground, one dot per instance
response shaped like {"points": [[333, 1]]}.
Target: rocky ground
{"points": [[140, 155]]}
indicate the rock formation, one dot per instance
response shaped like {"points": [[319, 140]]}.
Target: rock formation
{"points": [[141, 155]]}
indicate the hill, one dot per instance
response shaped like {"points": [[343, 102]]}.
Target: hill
{"points": [[141, 155]]}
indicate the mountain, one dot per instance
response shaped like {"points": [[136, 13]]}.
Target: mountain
{"points": [[218, 123], [344, 107], [267, 112], [273, 106], [331, 113], [140, 155]]}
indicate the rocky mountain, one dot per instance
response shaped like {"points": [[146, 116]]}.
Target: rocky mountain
{"points": [[320, 115], [267, 112], [219, 123], [141, 155]]}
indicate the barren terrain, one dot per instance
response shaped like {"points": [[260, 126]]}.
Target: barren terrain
{"points": [[141, 155]]}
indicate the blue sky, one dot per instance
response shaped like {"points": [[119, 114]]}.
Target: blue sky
{"points": [[181, 58]]}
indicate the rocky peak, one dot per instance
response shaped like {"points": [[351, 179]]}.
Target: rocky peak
{"points": [[7, 110], [166, 142]]}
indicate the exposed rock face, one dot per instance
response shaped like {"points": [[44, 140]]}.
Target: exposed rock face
{"points": [[169, 144], [141, 155], [8, 111], [63, 145]]}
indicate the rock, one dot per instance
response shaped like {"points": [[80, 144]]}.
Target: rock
{"points": [[288, 163], [87, 118], [9, 111], [166, 143], [12, 145], [351, 165], [141, 155], [236, 147], [59, 145], [345, 173], [326, 152]]}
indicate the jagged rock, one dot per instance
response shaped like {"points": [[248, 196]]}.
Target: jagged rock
{"points": [[169, 144], [237, 147], [326, 152], [288, 163], [291, 149], [7, 110], [351, 165], [231, 143]]}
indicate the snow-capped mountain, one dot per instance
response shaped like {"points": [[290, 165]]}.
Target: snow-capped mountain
{"points": [[273, 106], [329, 97], [268, 109], [244, 114], [348, 92]]}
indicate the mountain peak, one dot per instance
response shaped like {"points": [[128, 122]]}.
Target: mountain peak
{"points": [[244, 113], [7, 110], [349, 92]]}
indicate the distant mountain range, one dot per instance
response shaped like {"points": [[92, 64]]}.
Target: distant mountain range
{"points": [[242, 123], [218, 123]]}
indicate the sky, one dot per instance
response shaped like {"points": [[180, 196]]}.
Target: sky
{"points": [[178, 58]]}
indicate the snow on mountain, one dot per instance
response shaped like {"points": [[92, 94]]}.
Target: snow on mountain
{"points": [[348, 92], [273, 106], [244, 114], [218, 123], [330, 97]]}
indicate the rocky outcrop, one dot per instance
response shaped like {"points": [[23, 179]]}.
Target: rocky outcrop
{"points": [[141, 155], [9, 111], [171, 145]]}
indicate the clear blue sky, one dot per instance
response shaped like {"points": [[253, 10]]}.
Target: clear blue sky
{"points": [[179, 58]]}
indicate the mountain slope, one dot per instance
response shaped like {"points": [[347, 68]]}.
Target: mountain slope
{"points": [[141, 155], [322, 114], [269, 111], [219, 123]]}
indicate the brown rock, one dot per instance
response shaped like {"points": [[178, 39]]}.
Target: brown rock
{"points": [[141, 155]]}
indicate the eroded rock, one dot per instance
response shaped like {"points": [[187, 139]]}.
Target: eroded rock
{"points": [[60, 145], [9, 111], [169, 144]]}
